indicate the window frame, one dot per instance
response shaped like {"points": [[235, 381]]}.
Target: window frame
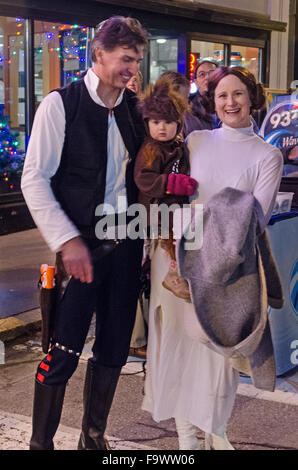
{"points": [[229, 41]]}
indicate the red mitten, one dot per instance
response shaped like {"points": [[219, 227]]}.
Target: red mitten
{"points": [[181, 185]]}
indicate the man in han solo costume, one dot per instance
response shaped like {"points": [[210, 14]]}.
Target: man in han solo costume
{"points": [[81, 154]]}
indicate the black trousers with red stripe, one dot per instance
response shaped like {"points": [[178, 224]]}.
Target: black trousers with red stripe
{"points": [[113, 296]]}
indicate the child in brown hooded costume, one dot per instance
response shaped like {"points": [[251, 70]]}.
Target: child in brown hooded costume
{"points": [[162, 166]]}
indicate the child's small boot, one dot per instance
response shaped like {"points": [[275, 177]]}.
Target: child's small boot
{"points": [[175, 283]]}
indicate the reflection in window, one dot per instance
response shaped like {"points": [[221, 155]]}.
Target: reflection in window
{"points": [[163, 57], [12, 103], [208, 51], [247, 57], [61, 54]]}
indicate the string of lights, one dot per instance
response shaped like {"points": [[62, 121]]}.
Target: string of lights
{"points": [[65, 43]]}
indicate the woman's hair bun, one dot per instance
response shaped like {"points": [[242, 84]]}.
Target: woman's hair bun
{"points": [[259, 96]]}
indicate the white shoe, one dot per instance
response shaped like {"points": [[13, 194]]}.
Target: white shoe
{"points": [[218, 440], [187, 435]]}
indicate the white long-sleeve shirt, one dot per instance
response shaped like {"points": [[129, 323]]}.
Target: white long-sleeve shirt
{"points": [[43, 159], [236, 158]]}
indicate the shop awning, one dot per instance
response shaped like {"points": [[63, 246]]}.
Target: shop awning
{"points": [[202, 12], [183, 13]]}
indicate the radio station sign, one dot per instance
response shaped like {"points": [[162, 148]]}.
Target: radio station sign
{"points": [[280, 126]]}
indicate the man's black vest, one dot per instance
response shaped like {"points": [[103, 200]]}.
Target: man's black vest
{"points": [[80, 181]]}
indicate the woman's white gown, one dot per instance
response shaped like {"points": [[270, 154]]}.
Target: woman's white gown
{"points": [[185, 379]]}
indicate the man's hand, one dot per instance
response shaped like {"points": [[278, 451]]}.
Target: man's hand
{"points": [[77, 260]]}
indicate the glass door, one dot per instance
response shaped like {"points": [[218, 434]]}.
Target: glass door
{"points": [[248, 57], [12, 103], [163, 55]]}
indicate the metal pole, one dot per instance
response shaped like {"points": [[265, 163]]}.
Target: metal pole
{"points": [[29, 77], [227, 55]]}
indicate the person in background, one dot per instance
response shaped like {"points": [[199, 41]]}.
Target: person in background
{"points": [[135, 84], [179, 82], [197, 118], [202, 74], [81, 154], [138, 343]]}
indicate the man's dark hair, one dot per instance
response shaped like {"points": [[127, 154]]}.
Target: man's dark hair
{"points": [[118, 31], [205, 61]]}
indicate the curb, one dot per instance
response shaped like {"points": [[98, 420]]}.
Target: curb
{"points": [[16, 431], [17, 325]]}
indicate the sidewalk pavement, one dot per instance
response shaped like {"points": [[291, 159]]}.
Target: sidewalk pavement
{"points": [[21, 255], [260, 420]]}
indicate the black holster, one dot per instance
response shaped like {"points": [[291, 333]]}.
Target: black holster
{"points": [[49, 298], [48, 303]]}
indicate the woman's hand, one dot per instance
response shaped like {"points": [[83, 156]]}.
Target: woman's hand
{"points": [[181, 185], [293, 155]]}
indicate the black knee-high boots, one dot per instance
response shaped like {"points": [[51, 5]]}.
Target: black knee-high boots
{"points": [[47, 408], [99, 390]]}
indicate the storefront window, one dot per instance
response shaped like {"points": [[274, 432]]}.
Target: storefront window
{"points": [[61, 54], [12, 103], [202, 50], [163, 57], [247, 57]]}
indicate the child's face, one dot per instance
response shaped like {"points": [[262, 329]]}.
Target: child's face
{"points": [[162, 130]]}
